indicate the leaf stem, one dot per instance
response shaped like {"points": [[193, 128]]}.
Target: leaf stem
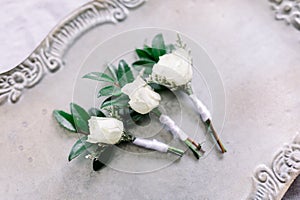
{"points": [[189, 90]]}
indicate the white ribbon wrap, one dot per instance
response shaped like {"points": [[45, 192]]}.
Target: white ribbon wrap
{"points": [[151, 144], [202, 109], [164, 119]]}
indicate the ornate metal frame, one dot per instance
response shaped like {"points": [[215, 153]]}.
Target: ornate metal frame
{"points": [[272, 182], [48, 57], [287, 10], [269, 182]]}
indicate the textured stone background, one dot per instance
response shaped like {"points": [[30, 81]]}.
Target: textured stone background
{"points": [[258, 60]]}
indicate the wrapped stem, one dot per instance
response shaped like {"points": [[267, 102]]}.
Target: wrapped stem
{"points": [[205, 116], [215, 135], [157, 146], [176, 131], [193, 148], [201, 108], [166, 120]]}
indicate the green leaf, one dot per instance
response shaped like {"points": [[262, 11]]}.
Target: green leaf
{"points": [[121, 101], [158, 42], [144, 55], [144, 64], [124, 74], [80, 117], [158, 88], [96, 112], [113, 71], [148, 50], [105, 101], [65, 120], [79, 147], [110, 90], [98, 76], [158, 46]]}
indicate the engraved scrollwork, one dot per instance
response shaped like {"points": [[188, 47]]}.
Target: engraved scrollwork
{"points": [[48, 57], [287, 10], [271, 182], [267, 185]]}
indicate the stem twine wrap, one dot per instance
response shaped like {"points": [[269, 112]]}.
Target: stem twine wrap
{"points": [[175, 130], [151, 144], [201, 108]]}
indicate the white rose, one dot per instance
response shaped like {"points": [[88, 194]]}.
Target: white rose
{"points": [[142, 98], [105, 130], [175, 67]]}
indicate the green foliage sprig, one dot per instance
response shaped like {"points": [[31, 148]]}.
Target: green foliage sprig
{"points": [[148, 56], [77, 122], [116, 103]]}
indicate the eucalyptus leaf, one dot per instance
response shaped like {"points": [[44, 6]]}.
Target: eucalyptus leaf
{"points": [[65, 120], [79, 147], [158, 46], [80, 117], [110, 90], [98, 76], [124, 74]]}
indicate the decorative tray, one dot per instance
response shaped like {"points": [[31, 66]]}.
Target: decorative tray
{"points": [[255, 57]]}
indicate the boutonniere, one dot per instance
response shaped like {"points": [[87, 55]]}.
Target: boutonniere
{"points": [[128, 92], [160, 66], [171, 66], [144, 100], [100, 132]]}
